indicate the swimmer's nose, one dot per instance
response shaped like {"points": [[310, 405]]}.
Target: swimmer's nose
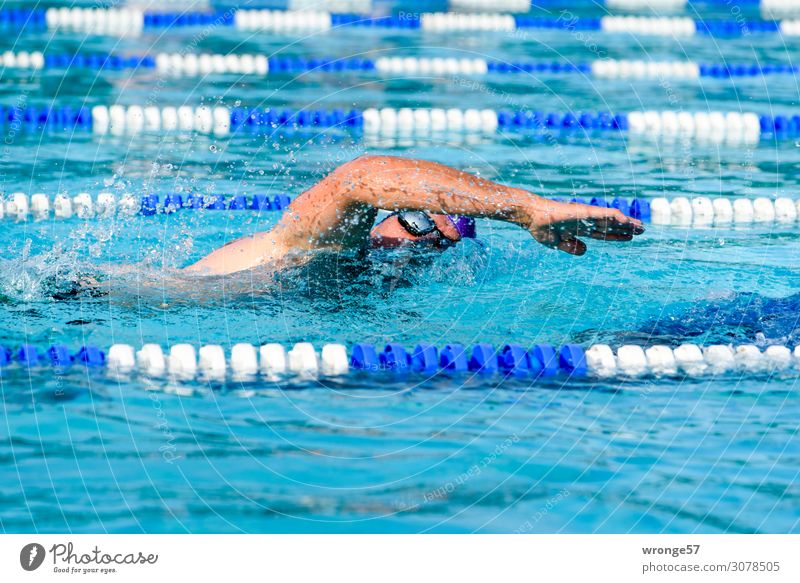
{"points": [[446, 227]]}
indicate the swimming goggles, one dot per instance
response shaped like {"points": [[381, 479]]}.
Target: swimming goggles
{"points": [[418, 223]]}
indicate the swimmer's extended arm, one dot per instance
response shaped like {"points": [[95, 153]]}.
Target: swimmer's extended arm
{"points": [[341, 209], [338, 212]]}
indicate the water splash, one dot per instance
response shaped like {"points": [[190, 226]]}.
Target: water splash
{"points": [[30, 278]]}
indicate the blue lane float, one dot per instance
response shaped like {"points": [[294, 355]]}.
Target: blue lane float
{"points": [[274, 363], [150, 204], [57, 355]]}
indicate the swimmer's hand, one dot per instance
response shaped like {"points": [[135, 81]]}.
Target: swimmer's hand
{"points": [[558, 225]]}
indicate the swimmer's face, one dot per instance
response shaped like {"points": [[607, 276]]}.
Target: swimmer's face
{"points": [[390, 233]]}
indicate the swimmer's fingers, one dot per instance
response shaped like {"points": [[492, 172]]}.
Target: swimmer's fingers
{"points": [[610, 224], [572, 246], [562, 241], [614, 220], [564, 223], [606, 236], [582, 220]]}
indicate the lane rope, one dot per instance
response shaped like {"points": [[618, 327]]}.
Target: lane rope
{"points": [[274, 362], [20, 207], [131, 21], [715, 126], [678, 211], [766, 7], [201, 64]]}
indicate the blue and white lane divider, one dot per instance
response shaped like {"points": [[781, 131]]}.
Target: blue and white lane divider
{"points": [[19, 207], [678, 211], [273, 362], [767, 7], [124, 21], [443, 22], [505, 6], [347, 6], [703, 211], [191, 65], [523, 6], [732, 127]]}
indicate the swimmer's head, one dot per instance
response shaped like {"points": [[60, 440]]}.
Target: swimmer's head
{"points": [[420, 228]]}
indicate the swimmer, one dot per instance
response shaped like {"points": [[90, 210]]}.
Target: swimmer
{"points": [[428, 202]]}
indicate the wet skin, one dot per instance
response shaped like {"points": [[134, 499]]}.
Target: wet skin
{"points": [[338, 213]]}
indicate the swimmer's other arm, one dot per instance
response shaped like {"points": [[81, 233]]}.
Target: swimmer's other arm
{"points": [[338, 212]]}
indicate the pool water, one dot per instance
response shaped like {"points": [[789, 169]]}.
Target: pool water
{"points": [[82, 452]]}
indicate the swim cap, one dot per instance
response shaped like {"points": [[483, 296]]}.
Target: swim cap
{"points": [[464, 225]]}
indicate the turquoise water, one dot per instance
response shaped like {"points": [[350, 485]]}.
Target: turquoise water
{"points": [[81, 452]]}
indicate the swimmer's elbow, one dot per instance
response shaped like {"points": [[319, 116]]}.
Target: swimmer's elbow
{"points": [[358, 168], [354, 179], [366, 161]]}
